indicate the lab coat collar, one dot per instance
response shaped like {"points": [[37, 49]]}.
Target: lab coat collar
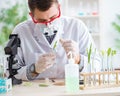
{"points": [[58, 35], [41, 37]]}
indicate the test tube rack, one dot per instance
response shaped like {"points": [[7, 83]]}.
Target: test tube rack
{"points": [[105, 79]]}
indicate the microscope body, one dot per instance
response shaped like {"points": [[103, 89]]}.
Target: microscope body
{"points": [[11, 50]]}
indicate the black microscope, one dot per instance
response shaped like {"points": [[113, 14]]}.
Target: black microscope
{"points": [[11, 50]]}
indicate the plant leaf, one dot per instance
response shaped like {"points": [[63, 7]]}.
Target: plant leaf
{"points": [[108, 51], [89, 53]]}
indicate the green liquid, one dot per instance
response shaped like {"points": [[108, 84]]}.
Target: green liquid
{"points": [[72, 84]]}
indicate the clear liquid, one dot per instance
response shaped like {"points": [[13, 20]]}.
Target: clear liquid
{"points": [[2, 85], [72, 84]]}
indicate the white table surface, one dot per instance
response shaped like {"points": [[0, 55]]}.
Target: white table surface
{"points": [[33, 89]]}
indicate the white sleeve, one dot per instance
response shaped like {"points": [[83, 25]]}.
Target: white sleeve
{"points": [[84, 43]]}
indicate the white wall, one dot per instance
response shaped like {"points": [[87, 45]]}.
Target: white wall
{"points": [[108, 11]]}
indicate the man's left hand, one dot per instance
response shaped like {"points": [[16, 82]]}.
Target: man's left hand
{"points": [[71, 46]]}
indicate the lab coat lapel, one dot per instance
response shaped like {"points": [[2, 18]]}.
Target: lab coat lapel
{"points": [[42, 39], [58, 36], [39, 36]]}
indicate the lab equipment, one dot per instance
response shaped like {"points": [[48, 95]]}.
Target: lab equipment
{"points": [[11, 49], [51, 29], [71, 75], [5, 85]]}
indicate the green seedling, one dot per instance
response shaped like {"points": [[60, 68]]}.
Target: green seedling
{"points": [[28, 84], [102, 52], [43, 85], [55, 45], [89, 51], [109, 51], [113, 52]]}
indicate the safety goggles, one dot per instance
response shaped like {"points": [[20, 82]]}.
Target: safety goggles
{"points": [[45, 22]]}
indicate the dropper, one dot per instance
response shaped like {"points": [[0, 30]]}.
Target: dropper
{"points": [[70, 60]]}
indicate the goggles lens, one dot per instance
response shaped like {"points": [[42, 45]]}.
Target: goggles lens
{"points": [[45, 22]]}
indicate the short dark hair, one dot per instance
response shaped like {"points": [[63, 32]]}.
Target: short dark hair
{"points": [[41, 5]]}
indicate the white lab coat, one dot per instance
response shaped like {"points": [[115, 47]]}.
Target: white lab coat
{"points": [[34, 43]]}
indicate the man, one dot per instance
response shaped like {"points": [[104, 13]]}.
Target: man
{"points": [[47, 39]]}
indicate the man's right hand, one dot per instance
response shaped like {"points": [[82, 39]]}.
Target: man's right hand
{"points": [[44, 62]]}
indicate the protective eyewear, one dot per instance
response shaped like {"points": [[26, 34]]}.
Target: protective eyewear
{"points": [[45, 22]]}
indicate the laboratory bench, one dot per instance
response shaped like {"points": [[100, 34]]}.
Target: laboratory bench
{"points": [[56, 88]]}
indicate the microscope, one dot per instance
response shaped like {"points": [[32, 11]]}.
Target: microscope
{"points": [[11, 50]]}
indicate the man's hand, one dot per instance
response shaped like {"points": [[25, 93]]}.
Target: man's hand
{"points": [[70, 45], [44, 62]]}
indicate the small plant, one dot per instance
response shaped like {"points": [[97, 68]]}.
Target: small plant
{"points": [[91, 56], [107, 58], [110, 54], [89, 51], [102, 54]]}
